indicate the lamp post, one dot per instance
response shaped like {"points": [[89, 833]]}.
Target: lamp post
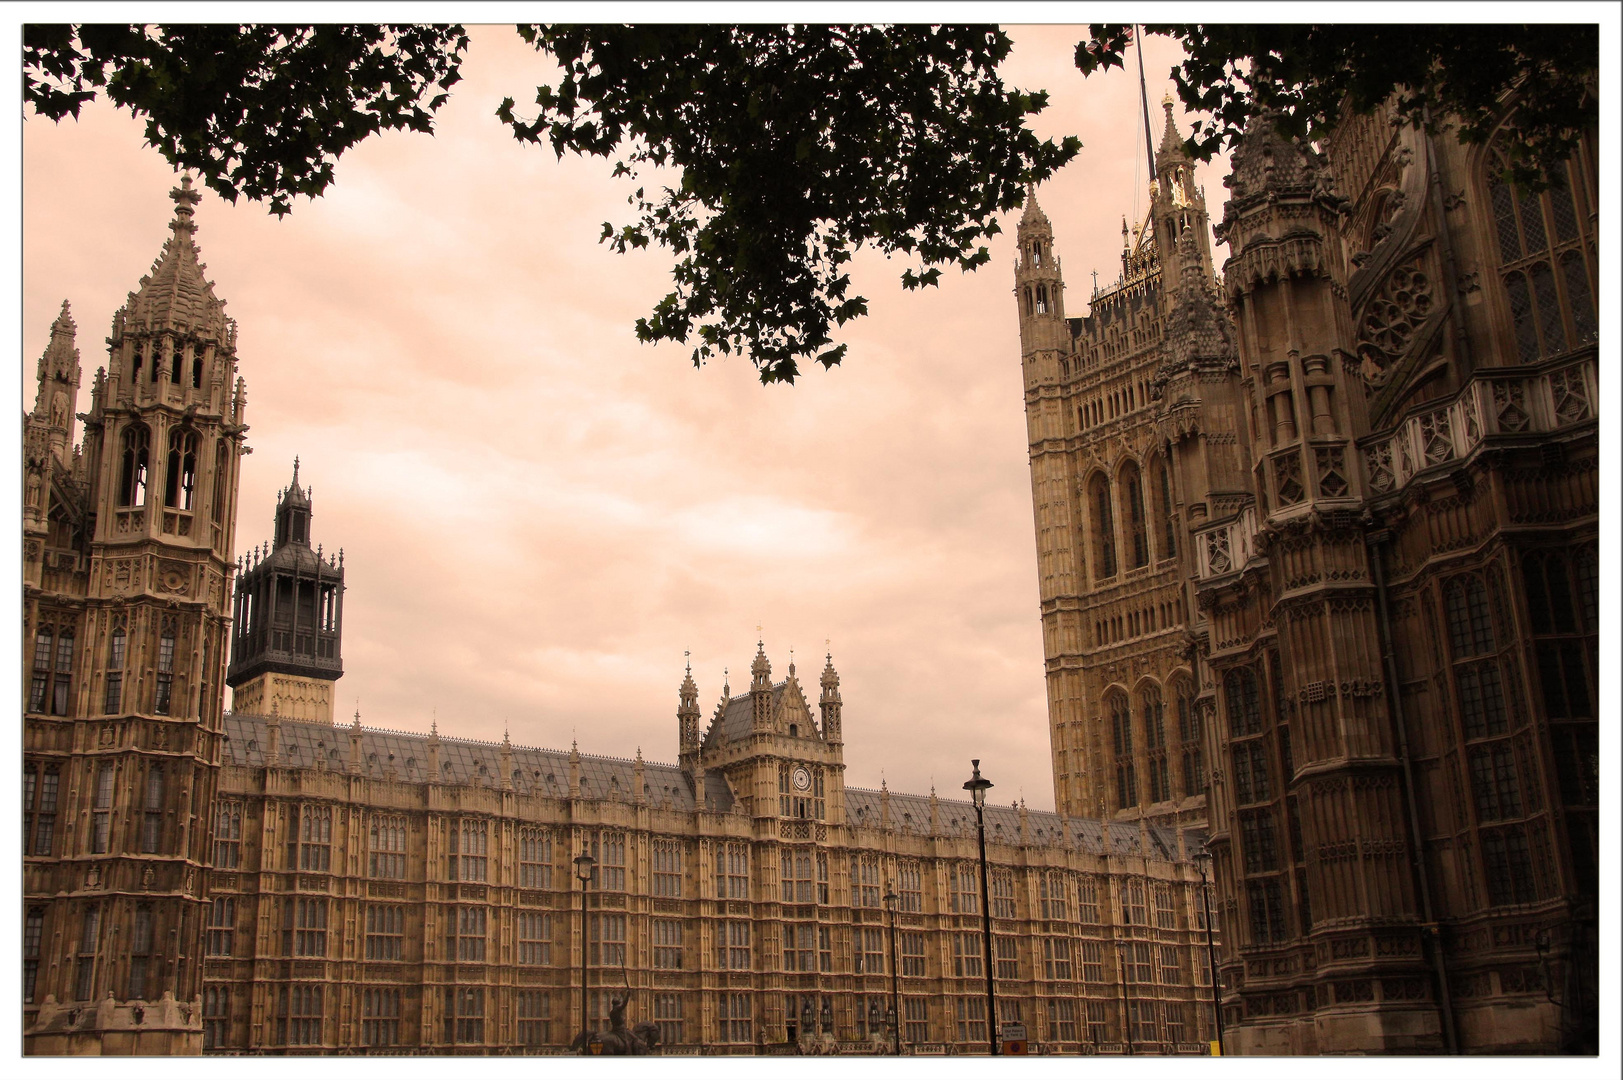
{"points": [[895, 993], [976, 786], [1202, 857], [584, 865]]}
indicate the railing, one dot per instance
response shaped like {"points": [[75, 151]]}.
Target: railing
{"points": [[1490, 405]]}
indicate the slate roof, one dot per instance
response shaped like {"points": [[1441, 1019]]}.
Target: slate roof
{"points": [[404, 756], [911, 814], [735, 721]]}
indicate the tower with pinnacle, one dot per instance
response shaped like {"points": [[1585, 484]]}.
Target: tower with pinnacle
{"points": [[286, 651], [1124, 731], [127, 573]]}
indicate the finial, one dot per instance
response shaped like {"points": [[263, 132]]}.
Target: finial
{"points": [[1166, 102], [687, 658], [295, 470], [185, 201]]}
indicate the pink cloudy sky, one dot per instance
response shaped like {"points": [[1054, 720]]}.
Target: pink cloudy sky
{"points": [[539, 514]]}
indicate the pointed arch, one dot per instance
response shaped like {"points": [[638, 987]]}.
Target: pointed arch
{"points": [[1135, 532], [1166, 539], [1120, 712], [132, 484], [1103, 527], [180, 479], [1152, 722]]}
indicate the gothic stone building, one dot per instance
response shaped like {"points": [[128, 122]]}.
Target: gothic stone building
{"points": [[265, 881], [127, 551], [1318, 562]]}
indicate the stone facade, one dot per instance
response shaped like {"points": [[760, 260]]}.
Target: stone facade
{"points": [[389, 892], [126, 583], [1379, 432]]}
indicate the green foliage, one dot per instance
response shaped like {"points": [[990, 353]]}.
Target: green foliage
{"points": [[794, 146], [261, 111], [1307, 75]]}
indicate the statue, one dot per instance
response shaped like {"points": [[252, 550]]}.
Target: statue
{"points": [[618, 1041]]}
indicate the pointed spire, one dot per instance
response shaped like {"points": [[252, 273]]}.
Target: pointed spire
{"points": [[175, 293], [1171, 138], [1032, 215]]}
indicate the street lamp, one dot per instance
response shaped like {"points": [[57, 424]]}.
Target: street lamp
{"points": [[584, 865], [976, 786], [1202, 857], [895, 993]]}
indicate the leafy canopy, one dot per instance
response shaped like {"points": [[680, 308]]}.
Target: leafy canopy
{"points": [[1307, 75], [792, 146], [261, 111], [795, 146]]}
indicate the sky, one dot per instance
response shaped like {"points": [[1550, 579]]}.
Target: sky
{"points": [[542, 519]]}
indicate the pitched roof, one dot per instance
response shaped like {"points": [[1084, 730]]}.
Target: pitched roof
{"points": [[473, 762]]}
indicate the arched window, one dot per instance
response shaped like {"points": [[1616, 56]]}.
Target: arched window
{"points": [[221, 471], [180, 478], [1541, 262], [1121, 728], [1166, 534], [1030, 306], [1104, 528], [1037, 253], [176, 364], [1152, 714], [1190, 738], [1042, 299], [1132, 496], [135, 368], [197, 367], [132, 486]]}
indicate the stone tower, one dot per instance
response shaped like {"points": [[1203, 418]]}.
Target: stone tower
{"points": [[285, 654], [127, 570], [1376, 510], [1124, 729]]}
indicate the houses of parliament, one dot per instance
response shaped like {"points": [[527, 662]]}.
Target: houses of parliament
{"points": [[1317, 567]]}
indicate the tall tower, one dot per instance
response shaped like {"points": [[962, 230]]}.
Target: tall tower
{"points": [[1124, 732], [128, 562], [285, 656]]}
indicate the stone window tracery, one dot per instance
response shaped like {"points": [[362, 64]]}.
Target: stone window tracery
{"points": [[1121, 728], [1104, 528], [132, 485], [1131, 486], [1541, 256], [1153, 715]]}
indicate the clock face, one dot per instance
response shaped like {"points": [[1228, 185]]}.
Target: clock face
{"points": [[802, 778]]}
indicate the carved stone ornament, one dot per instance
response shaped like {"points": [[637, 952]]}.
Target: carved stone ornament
{"points": [[1390, 321]]}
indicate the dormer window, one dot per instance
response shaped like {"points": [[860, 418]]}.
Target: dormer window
{"points": [[794, 731]]}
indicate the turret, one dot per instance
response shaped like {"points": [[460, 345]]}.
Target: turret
{"points": [[1039, 291], [829, 703], [1179, 206], [289, 621], [687, 722], [760, 690], [58, 392]]}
